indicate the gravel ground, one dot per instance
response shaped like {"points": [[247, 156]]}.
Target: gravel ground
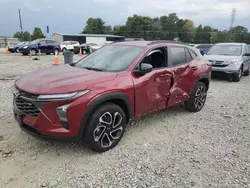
{"points": [[172, 148]]}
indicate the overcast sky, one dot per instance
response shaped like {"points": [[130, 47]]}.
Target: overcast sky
{"points": [[69, 16]]}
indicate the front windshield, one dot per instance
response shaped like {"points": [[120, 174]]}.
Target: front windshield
{"points": [[111, 58], [230, 50]]}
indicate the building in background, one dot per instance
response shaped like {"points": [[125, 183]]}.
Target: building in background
{"points": [[98, 39], [8, 41]]}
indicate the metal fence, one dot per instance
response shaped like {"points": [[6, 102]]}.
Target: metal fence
{"points": [[7, 41]]}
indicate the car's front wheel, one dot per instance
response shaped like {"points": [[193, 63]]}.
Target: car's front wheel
{"points": [[64, 50], [237, 76], [197, 98], [246, 73], [105, 127]]}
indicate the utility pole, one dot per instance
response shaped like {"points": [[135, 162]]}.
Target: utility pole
{"points": [[21, 26], [233, 14]]}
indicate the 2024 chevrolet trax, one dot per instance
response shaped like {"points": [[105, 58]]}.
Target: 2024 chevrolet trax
{"points": [[94, 98]]}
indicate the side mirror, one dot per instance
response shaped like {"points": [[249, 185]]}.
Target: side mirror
{"points": [[144, 69], [247, 54]]}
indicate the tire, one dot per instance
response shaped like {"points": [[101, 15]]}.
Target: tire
{"points": [[33, 52], [197, 98], [236, 77], [246, 73], [64, 50], [98, 134], [17, 50], [84, 52]]}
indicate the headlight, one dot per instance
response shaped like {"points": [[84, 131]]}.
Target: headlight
{"points": [[236, 61], [65, 96], [25, 47]]}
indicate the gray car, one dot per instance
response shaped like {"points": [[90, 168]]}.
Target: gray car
{"points": [[230, 58]]}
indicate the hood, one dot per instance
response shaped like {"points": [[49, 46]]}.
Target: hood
{"points": [[96, 47], [61, 79], [221, 57]]}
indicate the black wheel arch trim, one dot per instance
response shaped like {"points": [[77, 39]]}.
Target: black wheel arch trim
{"points": [[100, 100], [205, 77]]}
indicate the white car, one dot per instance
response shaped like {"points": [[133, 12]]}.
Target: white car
{"points": [[68, 45], [94, 48]]}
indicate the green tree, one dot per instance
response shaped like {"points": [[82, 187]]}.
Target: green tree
{"points": [[22, 36], [239, 34], [169, 26], [37, 33], [187, 31], [108, 29], [120, 30], [95, 26], [139, 27], [219, 36]]}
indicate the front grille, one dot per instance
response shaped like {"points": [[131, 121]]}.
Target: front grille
{"points": [[217, 62], [223, 65], [26, 107]]}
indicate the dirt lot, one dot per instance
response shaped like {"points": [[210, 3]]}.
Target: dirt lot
{"points": [[173, 148]]}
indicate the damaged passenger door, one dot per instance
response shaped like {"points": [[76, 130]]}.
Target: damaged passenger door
{"points": [[152, 89], [183, 75]]}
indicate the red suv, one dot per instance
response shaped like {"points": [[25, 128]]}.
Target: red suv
{"points": [[94, 98]]}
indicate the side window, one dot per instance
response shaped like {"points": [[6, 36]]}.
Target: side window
{"points": [[156, 58], [178, 55], [188, 56], [192, 54], [42, 42]]}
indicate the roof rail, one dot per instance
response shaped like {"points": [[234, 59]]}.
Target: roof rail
{"points": [[166, 41]]}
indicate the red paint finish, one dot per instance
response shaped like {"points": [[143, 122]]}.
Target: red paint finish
{"points": [[154, 91]]}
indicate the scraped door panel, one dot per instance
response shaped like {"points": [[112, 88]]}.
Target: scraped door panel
{"points": [[152, 91]]}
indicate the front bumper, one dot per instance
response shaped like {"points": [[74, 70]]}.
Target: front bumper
{"points": [[230, 69], [12, 49], [45, 123]]}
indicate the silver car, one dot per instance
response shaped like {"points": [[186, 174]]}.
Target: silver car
{"points": [[230, 58]]}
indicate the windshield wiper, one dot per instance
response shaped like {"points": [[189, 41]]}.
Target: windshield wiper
{"points": [[92, 68]]}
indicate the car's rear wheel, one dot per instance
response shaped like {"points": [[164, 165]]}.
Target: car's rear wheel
{"points": [[246, 73], [106, 127], [236, 77], [197, 98], [64, 50], [84, 52], [17, 50]]}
